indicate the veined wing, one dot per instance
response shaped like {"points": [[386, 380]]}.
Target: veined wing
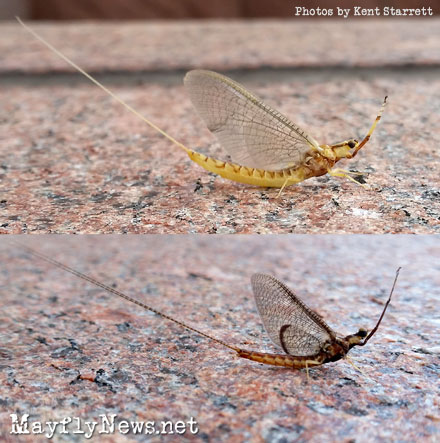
{"points": [[288, 321], [253, 134]]}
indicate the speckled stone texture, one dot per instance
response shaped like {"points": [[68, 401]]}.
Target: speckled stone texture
{"points": [[74, 160], [223, 44], [70, 349]]}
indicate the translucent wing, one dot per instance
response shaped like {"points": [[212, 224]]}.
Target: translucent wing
{"points": [[288, 321], [253, 134]]}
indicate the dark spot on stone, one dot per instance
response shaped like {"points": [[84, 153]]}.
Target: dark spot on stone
{"points": [[224, 427], [283, 434], [135, 347], [76, 380], [198, 185], [98, 198], [223, 402], [196, 275], [204, 436], [122, 327], [423, 351], [191, 348], [356, 412], [321, 408], [272, 216], [431, 194], [62, 352], [231, 199], [74, 344], [360, 179], [348, 381], [102, 379], [42, 340]]}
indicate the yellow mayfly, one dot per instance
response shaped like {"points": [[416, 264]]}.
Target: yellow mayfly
{"points": [[266, 148]]}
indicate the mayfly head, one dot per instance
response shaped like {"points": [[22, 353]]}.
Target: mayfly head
{"points": [[345, 149], [356, 339]]}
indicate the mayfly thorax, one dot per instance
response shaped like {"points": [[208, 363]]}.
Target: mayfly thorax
{"points": [[266, 148], [300, 332]]}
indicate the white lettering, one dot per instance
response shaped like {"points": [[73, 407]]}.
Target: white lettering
{"points": [[64, 422], [109, 423], [149, 427], [390, 10], [137, 426], [343, 12], [19, 427], [304, 12], [366, 12], [91, 425], [164, 427], [192, 422], [78, 426], [37, 427], [52, 426], [105, 425], [180, 427], [124, 427]]}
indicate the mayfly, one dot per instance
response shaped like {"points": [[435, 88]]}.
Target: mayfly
{"points": [[266, 148], [301, 333]]}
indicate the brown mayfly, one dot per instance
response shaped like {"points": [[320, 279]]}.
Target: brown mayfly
{"points": [[266, 148], [302, 334]]}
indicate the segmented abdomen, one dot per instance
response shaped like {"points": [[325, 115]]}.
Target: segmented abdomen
{"points": [[286, 360], [251, 176]]}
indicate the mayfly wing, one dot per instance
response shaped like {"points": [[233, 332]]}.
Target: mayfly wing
{"points": [[288, 321], [253, 134]]}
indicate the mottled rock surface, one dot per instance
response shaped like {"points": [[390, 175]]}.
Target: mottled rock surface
{"points": [[73, 160], [223, 44], [69, 349]]}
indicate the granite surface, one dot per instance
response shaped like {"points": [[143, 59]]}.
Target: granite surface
{"points": [[223, 44], [74, 161], [69, 349]]}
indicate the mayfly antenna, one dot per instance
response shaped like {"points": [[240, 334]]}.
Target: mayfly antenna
{"points": [[383, 312]]}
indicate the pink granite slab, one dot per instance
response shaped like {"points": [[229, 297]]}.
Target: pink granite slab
{"points": [[73, 160], [223, 44], [70, 349]]}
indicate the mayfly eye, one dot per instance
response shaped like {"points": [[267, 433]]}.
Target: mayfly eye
{"points": [[362, 333]]}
